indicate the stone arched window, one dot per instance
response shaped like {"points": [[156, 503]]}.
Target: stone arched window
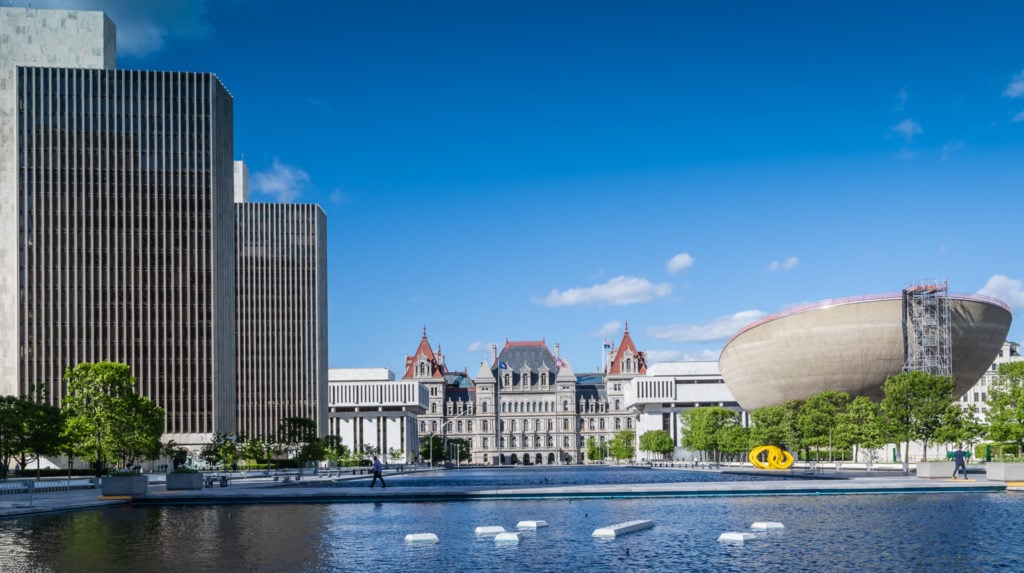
{"points": [[601, 423], [433, 427], [486, 442], [433, 408], [486, 425], [469, 426], [618, 424]]}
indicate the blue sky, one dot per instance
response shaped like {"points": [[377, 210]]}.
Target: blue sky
{"points": [[531, 170]]}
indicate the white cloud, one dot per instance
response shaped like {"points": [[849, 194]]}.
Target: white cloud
{"points": [[143, 27], [477, 347], [785, 265], [679, 262], [340, 197], [718, 329], [283, 182], [950, 147], [901, 100], [907, 128], [1018, 117], [1010, 291], [608, 329], [618, 291], [1016, 87]]}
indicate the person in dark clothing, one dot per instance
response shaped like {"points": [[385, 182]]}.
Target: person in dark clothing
{"points": [[959, 461], [377, 474]]}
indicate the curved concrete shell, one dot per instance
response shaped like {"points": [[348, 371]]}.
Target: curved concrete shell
{"points": [[850, 345]]}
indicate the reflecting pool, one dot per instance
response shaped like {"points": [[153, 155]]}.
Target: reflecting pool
{"points": [[906, 532]]}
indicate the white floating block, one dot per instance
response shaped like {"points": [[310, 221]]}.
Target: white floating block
{"points": [[736, 537], [489, 530], [766, 525], [508, 537], [421, 538], [531, 524], [613, 531]]}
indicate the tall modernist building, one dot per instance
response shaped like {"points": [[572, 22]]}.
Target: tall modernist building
{"points": [[124, 222], [32, 38], [118, 226], [282, 315]]}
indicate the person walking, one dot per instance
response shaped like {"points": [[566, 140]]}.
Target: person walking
{"points": [[377, 474], [959, 461]]}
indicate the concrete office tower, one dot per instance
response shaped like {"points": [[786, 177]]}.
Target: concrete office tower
{"points": [[125, 236], [30, 37], [282, 316]]}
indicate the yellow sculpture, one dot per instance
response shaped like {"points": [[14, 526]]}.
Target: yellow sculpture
{"points": [[777, 459]]}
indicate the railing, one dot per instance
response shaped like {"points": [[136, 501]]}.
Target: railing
{"points": [[27, 488]]}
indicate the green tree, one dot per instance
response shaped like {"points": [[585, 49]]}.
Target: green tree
{"points": [[29, 430], [915, 405], [704, 429], [109, 418], [735, 439], [176, 453], [254, 449], [658, 442], [296, 432], [862, 426], [313, 450], [960, 426], [223, 450], [622, 445], [818, 417], [1006, 405], [596, 450], [460, 446], [776, 426], [12, 432], [335, 449], [432, 448]]}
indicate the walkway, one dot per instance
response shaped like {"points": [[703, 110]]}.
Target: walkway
{"points": [[318, 490]]}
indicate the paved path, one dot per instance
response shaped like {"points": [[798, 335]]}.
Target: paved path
{"points": [[319, 490]]}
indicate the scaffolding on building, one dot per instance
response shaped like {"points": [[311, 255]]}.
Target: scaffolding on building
{"points": [[927, 339]]}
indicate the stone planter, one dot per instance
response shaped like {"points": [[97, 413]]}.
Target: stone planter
{"points": [[1004, 471], [190, 480], [935, 470], [125, 485]]}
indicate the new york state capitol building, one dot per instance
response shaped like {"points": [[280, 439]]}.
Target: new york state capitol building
{"points": [[525, 406]]}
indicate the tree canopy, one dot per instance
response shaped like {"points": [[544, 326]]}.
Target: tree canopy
{"points": [[707, 429], [915, 406], [657, 441], [1006, 405], [621, 446], [107, 418]]}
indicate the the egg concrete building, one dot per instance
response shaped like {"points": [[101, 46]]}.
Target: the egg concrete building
{"points": [[853, 345]]}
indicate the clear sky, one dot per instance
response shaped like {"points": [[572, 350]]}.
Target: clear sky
{"points": [[550, 170]]}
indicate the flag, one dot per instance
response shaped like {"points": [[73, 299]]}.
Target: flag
{"points": [[502, 365], [607, 344], [560, 363]]}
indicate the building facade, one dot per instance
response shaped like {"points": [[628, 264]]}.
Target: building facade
{"points": [[118, 228], [31, 37], [281, 328], [371, 411], [668, 389], [126, 242], [977, 395], [527, 405]]}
